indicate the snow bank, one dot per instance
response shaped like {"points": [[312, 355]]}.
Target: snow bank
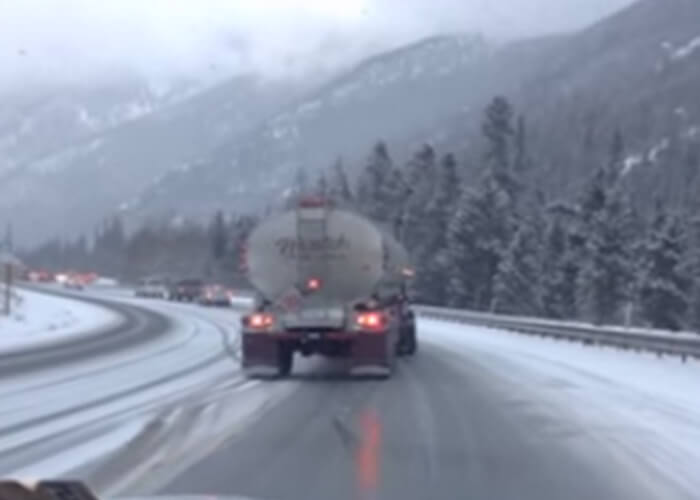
{"points": [[686, 50], [646, 408], [37, 318]]}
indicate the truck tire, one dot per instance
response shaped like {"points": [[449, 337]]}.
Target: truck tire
{"points": [[407, 345], [412, 338], [285, 360]]}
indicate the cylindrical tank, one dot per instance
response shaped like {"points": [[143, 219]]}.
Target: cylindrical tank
{"points": [[346, 255]]}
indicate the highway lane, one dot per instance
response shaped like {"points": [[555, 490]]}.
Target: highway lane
{"points": [[442, 428], [446, 426], [58, 397], [136, 325], [165, 383]]}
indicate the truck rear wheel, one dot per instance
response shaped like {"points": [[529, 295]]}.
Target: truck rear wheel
{"points": [[408, 344], [285, 360]]}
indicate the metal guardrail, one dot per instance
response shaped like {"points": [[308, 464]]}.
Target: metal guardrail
{"points": [[685, 345]]}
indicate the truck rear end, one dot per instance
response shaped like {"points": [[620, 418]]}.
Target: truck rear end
{"points": [[329, 283]]}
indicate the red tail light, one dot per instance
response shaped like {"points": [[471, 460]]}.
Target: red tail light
{"points": [[374, 321], [313, 284], [260, 321]]}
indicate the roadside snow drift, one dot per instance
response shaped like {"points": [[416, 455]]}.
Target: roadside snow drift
{"points": [[37, 318]]}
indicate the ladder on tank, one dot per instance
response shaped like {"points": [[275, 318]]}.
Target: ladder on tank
{"points": [[312, 237]]}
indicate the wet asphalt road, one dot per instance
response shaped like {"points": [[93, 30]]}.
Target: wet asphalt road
{"points": [[442, 428]]}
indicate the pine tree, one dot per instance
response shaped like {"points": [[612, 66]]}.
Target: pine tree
{"points": [[372, 190], [219, 238], [462, 287], [691, 268], [617, 156], [662, 288], [477, 238], [421, 175], [498, 131], [517, 285], [434, 271], [605, 231], [560, 264], [606, 273], [394, 196], [484, 222], [339, 186], [521, 160]]}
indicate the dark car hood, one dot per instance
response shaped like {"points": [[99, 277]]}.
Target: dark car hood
{"points": [[191, 497]]}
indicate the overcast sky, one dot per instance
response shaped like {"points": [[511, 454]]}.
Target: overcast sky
{"points": [[90, 41]]}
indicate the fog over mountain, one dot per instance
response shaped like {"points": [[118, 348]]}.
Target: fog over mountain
{"points": [[88, 42], [165, 105]]}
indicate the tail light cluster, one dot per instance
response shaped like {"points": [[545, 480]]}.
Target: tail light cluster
{"points": [[372, 320], [259, 321]]}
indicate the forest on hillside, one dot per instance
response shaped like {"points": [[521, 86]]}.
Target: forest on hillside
{"points": [[488, 242]]}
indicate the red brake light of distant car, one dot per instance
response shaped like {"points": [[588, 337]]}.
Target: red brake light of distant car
{"points": [[260, 321], [313, 284], [371, 321]]}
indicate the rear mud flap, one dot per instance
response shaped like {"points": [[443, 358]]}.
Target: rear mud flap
{"points": [[260, 352], [373, 355]]}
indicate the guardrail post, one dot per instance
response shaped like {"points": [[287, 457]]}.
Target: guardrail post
{"points": [[8, 289]]}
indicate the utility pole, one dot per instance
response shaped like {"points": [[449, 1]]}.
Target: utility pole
{"points": [[8, 262]]}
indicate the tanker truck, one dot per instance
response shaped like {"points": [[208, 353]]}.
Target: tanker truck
{"points": [[328, 282]]}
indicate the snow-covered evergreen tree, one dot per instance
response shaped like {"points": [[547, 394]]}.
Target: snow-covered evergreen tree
{"points": [[560, 263], [462, 286], [477, 238], [433, 253], [421, 174], [499, 133], [662, 287], [339, 185], [691, 269], [521, 158], [371, 189], [393, 198], [486, 217], [605, 280], [219, 236], [517, 285]]}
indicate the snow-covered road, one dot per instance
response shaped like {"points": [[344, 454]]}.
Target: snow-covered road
{"points": [[130, 421], [643, 408], [140, 402]]}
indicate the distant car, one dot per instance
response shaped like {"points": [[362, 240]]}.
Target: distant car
{"points": [[188, 290], [215, 295], [73, 284], [156, 288]]}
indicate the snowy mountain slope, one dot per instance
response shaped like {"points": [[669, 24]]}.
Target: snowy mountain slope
{"points": [[637, 72], [75, 185], [38, 121], [389, 96], [237, 146]]}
